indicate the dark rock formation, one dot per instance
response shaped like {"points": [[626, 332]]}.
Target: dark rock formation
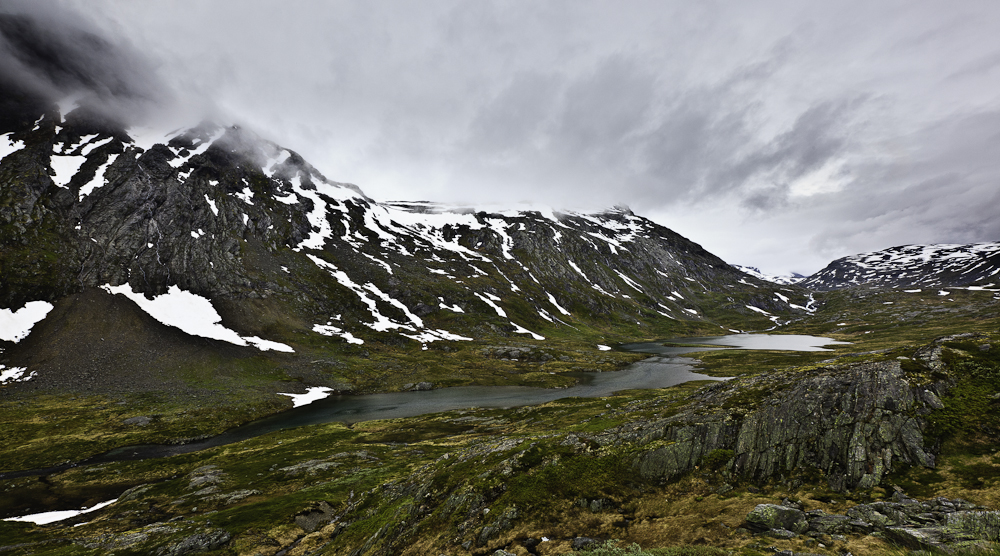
{"points": [[852, 423]]}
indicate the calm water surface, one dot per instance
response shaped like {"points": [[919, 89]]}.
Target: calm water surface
{"points": [[665, 368]]}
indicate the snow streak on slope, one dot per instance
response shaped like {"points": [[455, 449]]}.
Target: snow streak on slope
{"points": [[381, 322], [14, 374]]}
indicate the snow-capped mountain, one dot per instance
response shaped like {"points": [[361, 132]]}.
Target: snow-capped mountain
{"points": [[932, 265], [784, 279], [220, 234]]}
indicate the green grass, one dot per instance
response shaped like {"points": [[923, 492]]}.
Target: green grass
{"points": [[615, 548]]}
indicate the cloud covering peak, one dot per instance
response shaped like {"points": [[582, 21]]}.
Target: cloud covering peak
{"points": [[776, 133]]}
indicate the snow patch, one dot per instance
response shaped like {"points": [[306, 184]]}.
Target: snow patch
{"points": [[8, 147], [15, 374], [490, 302], [89, 147], [454, 308], [521, 330], [630, 282], [312, 394], [330, 330], [265, 345], [65, 167], [552, 300], [246, 195], [16, 325], [603, 347], [98, 180], [52, 517], [211, 205], [192, 314]]}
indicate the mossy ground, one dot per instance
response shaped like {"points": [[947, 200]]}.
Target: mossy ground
{"points": [[513, 459]]}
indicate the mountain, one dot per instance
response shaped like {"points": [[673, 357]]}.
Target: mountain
{"points": [[784, 279], [155, 257], [931, 265]]}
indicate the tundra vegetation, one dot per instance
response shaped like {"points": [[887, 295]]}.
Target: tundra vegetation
{"points": [[653, 468]]}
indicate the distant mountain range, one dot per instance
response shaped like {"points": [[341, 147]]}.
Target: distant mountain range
{"points": [[934, 265], [784, 279]]}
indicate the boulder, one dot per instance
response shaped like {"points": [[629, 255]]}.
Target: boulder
{"points": [[980, 524], [854, 423], [315, 516], [828, 524], [580, 543], [766, 517], [197, 543]]}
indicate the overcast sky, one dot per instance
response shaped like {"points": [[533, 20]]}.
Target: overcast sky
{"points": [[777, 134]]}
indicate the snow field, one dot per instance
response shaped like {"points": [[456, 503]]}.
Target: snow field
{"points": [[192, 314]]}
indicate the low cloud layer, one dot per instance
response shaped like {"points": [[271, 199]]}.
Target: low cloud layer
{"points": [[50, 54], [779, 134]]}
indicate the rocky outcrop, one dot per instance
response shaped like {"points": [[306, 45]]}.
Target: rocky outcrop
{"points": [[935, 525], [853, 423]]}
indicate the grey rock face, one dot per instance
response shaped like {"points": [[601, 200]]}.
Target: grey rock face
{"points": [[853, 423]]}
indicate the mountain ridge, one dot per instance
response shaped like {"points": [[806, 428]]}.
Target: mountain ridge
{"points": [[283, 257], [926, 265]]}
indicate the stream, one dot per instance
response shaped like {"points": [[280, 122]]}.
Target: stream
{"points": [[665, 368]]}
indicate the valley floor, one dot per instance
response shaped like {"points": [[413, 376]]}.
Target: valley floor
{"points": [[543, 479]]}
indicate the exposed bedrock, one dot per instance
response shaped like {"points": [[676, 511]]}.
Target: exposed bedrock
{"points": [[851, 423]]}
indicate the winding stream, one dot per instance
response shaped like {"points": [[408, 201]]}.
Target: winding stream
{"points": [[666, 368]]}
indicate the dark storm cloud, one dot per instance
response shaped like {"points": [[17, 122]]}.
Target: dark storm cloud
{"points": [[806, 130], [51, 53]]}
